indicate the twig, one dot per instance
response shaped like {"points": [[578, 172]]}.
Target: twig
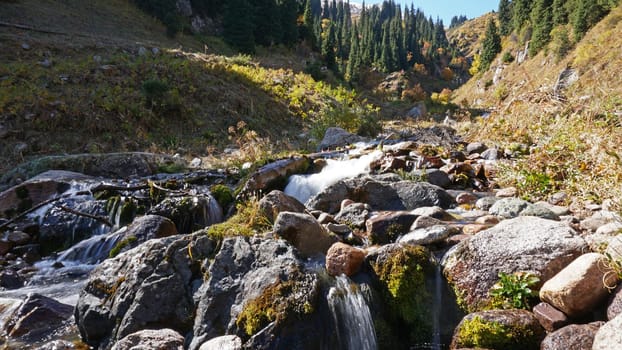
{"points": [[101, 219]]}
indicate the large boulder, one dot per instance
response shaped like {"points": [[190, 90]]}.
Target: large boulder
{"points": [[513, 207], [160, 339], [609, 336], [499, 329], [386, 227], [530, 244], [337, 137], [572, 337], [381, 193], [345, 259], [304, 232], [37, 316], [257, 286], [580, 286], [277, 201], [150, 286]]}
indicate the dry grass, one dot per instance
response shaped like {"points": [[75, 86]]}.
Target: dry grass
{"points": [[575, 143]]}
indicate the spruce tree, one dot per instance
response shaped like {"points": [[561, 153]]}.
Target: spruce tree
{"points": [[266, 23], [328, 49], [521, 9], [308, 19], [542, 19], [560, 13], [491, 45], [580, 23], [288, 11], [354, 59], [238, 25], [505, 17]]}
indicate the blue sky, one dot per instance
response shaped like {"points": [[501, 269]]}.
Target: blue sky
{"points": [[446, 9]]}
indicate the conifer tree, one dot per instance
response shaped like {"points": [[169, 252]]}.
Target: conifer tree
{"points": [[580, 18], [505, 17], [308, 20], [325, 10], [560, 13], [328, 49], [521, 9], [288, 10], [542, 19], [266, 24], [491, 45], [238, 25], [354, 60]]}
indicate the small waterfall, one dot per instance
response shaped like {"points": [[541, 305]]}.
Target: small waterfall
{"points": [[303, 187], [93, 250], [351, 315]]}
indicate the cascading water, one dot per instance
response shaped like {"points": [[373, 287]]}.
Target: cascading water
{"points": [[303, 187], [351, 315]]}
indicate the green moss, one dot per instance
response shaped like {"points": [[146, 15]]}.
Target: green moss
{"points": [[248, 221], [480, 333], [121, 245], [223, 195], [402, 275], [171, 168], [128, 212]]}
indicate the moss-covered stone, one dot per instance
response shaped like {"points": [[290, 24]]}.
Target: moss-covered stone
{"points": [[121, 245], [401, 271], [223, 195]]}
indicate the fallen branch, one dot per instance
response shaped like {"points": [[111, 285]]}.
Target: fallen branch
{"points": [[101, 219]]}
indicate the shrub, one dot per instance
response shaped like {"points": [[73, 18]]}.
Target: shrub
{"points": [[514, 291], [414, 94], [155, 92], [507, 57]]}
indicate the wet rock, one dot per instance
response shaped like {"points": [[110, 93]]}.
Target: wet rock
{"points": [[225, 342], [614, 307], [381, 193], [608, 336], [430, 235], [338, 137], [344, 259], [16, 237], [580, 286], [385, 227], [37, 316], [190, 213], [529, 244], [354, 215], [549, 317], [499, 329], [150, 286], [59, 345], [274, 175], [303, 232], [9, 279], [485, 203], [277, 201], [572, 337], [261, 279], [161, 339]]}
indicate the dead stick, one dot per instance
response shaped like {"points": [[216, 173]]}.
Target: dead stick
{"points": [[101, 219]]}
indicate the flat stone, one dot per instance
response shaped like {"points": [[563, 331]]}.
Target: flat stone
{"points": [[425, 221], [507, 192], [428, 235], [549, 317]]}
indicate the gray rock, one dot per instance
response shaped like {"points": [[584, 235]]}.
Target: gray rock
{"points": [[609, 336], [424, 222], [614, 307], [549, 317], [276, 202], [572, 337], [539, 211], [142, 51], [485, 203], [434, 176], [190, 213], [184, 7], [490, 154], [530, 244], [521, 330], [476, 147], [196, 162], [557, 209], [429, 235], [244, 270], [513, 207], [160, 339], [58, 345], [274, 175], [25, 47], [150, 286], [385, 227], [36, 317], [354, 215], [303, 232], [338, 137], [225, 342], [433, 212]]}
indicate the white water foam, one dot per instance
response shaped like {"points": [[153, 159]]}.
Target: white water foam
{"points": [[303, 187]]}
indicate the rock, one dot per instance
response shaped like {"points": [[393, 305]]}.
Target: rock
{"points": [[572, 337], [490, 154], [549, 317], [59, 345], [595, 221], [608, 336], [46, 63], [472, 229], [385, 227], [225, 342], [344, 259], [507, 192], [160, 339], [276, 202], [558, 198], [36, 317], [485, 203], [418, 111], [425, 222], [513, 207], [433, 212], [150, 286], [580, 286], [9, 279], [487, 220], [17, 237], [429, 235], [614, 248], [338, 137], [155, 51], [190, 213], [610, 229], [196, 163], [433, 176], [539, 211], [25, 47], [341, 229], [303, 232], [260, 279], [499, 329], [529, 244], [142, 51], [475, 147], [5, 247], [466, 198], [274, 175], [614, 306], [184, 7], [354, 215], [556, 209]]}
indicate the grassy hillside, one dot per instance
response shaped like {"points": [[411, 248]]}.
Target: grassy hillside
{"points": [[83, 77], [575, 135], [468, 36]]}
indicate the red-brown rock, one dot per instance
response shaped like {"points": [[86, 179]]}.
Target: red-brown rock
{"points": [[343, 258]]}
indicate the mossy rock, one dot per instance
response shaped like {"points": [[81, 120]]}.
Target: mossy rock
{"points": [[401, 271], [499, 329]]}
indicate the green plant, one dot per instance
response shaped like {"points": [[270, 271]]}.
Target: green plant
{"points": [[507, 57], [480, 333], [223, 195], [121, 245], [154, 92], [514, 290], [248, 220]]}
